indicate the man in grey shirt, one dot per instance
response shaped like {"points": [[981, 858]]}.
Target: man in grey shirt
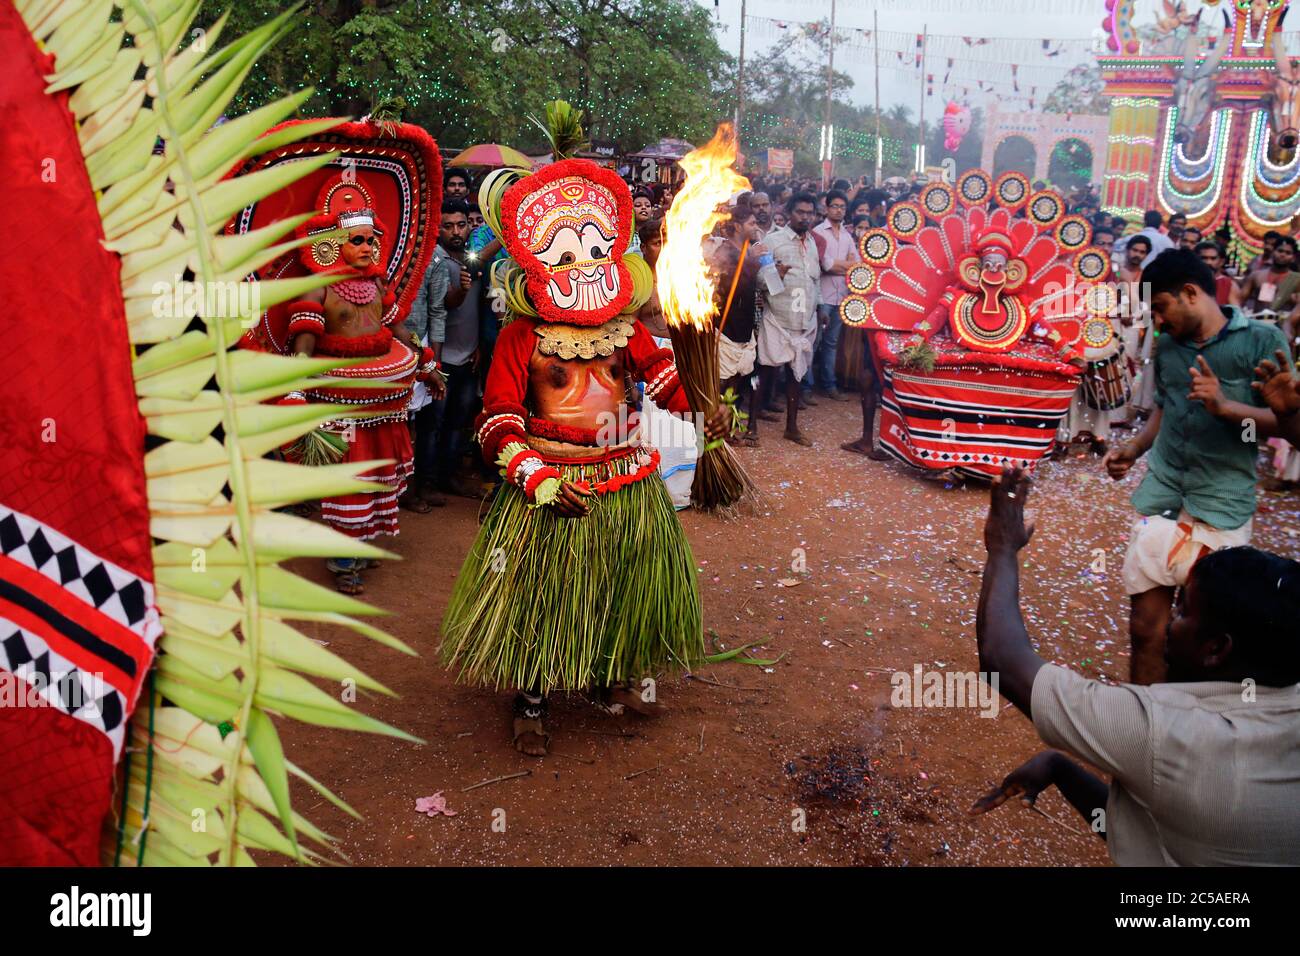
{"points": [[427, 320], [459, 351], [442, 287], [1204, 768]]}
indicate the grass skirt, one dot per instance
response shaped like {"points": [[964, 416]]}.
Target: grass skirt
{"points": [[570, 603]]}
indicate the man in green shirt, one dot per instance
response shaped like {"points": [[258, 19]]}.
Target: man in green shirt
{"points": [[1199, 491], [1274, 286]]}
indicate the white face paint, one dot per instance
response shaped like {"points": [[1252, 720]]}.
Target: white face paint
{"points": [[582, 272], [993, 261]]}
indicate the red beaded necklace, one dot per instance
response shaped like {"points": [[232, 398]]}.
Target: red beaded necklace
{"points": [[357, 291]]}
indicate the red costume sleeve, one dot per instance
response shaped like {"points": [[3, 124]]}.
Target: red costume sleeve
{"points": [[504, 415], [654, 366]]}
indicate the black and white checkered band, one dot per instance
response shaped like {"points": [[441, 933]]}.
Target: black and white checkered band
{"points": [[42, 676], [101, 584], [42, 672]]}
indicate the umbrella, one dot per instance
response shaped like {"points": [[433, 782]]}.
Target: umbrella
{"points": [[490, 154], [672, 149]]}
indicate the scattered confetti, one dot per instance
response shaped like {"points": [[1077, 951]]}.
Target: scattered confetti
{"points": [[434, 806]]}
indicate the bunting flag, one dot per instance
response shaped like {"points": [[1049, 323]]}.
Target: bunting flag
{"points": [[1055, 54], [995, 8], [998, 66]]}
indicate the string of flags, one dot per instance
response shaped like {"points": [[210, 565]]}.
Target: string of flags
{"points": [[980, 48], [997, 8], [1013, 68]]}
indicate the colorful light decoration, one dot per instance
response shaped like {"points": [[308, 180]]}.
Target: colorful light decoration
{"points": [[1194, 205], [1251, 200], [1190, 169], [1232, 180], [1275, 177]]}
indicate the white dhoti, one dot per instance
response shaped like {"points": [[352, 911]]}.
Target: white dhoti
{"points": [[1144, 381], [1161, 551], [1105, 389], [735, 358], [778, 345], [677, 443]]}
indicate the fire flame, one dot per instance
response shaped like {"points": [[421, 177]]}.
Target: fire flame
{"points": [[682, 276]]}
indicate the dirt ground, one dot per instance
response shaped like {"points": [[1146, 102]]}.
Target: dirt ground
{"points": [[744, 753]]}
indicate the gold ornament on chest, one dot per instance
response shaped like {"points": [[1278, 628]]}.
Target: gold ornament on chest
{"points": [[583, 342]]}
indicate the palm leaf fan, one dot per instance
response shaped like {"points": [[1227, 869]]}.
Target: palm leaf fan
{"points": [[211, 637]]}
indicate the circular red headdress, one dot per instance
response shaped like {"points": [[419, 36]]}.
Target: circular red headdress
{"points": [[392, 169], [345, 203]]}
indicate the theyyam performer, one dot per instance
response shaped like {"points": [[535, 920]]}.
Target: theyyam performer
{"points": [[358, 319], [976, 321], [581, 578]]}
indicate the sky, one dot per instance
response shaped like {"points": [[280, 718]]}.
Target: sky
{"points": [[1071, 19]]}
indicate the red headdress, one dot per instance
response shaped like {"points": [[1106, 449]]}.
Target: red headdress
{"points": [[993, 239], [345, 203], [393, 170]]}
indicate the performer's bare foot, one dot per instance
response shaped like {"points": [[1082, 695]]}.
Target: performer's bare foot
{"points": [[798, 437], [864, 446], [349, 582], [769, 416], [530, 736]]}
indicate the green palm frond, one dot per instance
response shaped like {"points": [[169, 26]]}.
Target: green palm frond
{"points": [[563, 129], [207, 780]]}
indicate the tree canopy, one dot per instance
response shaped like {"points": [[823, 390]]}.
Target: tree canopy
{"points": [[474, 70]]}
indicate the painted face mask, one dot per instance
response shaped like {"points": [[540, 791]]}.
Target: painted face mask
{"points": [[568, 226]]}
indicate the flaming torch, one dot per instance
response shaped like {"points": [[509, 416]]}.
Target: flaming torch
{"points": [[686, 294]]}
